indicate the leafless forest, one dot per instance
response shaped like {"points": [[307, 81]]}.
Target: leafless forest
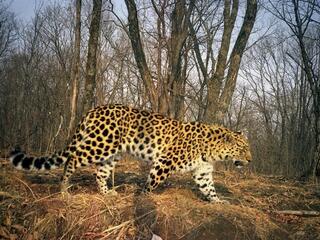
{"points": [[251, 65]]}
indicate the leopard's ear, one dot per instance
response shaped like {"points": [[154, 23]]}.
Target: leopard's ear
{"points": [[242, 133], [228, 138]]}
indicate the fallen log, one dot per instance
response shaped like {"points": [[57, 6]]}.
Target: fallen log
{"points": [[302, 213]]}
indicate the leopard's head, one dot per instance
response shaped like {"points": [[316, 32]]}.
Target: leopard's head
{"points": [[232, 145], [241, 154]]}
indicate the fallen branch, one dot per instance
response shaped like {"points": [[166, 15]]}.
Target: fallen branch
{"points": [[302, 213], [51, 143], [7, 195]]}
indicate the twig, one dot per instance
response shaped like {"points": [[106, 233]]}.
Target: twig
{"points": [[126, 222], [8, 195], [34, 196], [56, 135], [302, 213], [59, 128], [46, 197]]}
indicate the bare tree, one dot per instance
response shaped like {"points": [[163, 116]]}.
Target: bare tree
{"points": [[171, 56], [278, 107], [219, 92], [75, 74], [236, 56], [91, 66], [299, 16], [204, 33], [179, 33], [215, 84], [168, 95], [134, 34], [7, 30]]}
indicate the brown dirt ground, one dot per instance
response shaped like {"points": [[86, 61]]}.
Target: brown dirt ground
{"points": [[31, 207]]}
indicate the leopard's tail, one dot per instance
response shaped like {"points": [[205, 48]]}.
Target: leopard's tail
{"points": [[21, 161]]}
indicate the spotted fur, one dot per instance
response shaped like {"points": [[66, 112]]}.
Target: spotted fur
{"points": [[172, 146]]}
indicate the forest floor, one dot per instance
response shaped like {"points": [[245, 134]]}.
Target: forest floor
{"points": [[31, 207]]}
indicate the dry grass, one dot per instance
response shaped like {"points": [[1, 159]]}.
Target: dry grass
{"points": [[31, 207]]}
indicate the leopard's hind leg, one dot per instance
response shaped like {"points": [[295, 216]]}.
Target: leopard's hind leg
{"points": [[69, 168], [160, 171], [104, 169]]}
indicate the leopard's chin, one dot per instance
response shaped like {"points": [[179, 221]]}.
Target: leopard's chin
{"points": [[240, 164]]}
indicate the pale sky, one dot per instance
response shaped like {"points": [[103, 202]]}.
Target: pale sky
{"points": [[24, 9]]}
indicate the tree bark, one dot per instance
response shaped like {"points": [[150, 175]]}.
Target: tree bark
{"points": [[216, 82], [235, 58], [179, 34], [75, 69], [312, 79], [162, 81], [219, 96], [91, 70], [178, 38], [139, 54]]}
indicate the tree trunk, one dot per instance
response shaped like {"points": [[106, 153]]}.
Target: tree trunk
{"points": [[216, 82], [218, 109], [139, 53], [179, 34], [315, 166], [75, 68], [91, 70], [178, 37], [312, 79], [235, 58], [162, 81]]}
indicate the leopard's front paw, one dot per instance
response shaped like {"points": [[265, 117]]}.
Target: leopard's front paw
{"points": [[147, 189], [217, 200], [64, 188], [64, 192], [110, 192], [220, 201]]}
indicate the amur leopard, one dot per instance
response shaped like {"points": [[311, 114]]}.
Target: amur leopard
{"points": [[172, 146]]}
